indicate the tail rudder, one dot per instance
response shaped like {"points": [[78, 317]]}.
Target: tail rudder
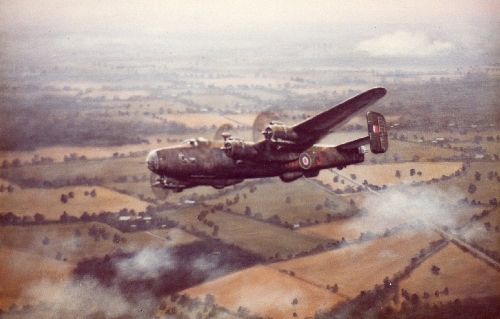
{"points": [[377, 130]]}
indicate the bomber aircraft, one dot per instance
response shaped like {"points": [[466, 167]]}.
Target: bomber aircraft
{"points": [[289, 152]]}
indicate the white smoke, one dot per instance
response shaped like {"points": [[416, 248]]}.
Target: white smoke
{"points": [[409, 205], [145, 264], [83, 299]]}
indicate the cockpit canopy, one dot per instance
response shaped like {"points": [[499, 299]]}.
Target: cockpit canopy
{"points": [[196, 142]]}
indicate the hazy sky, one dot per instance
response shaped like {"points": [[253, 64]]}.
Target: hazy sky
{"points": [[387, 28]]}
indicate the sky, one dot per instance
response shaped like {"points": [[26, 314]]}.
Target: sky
{"points": [[386, 28]]}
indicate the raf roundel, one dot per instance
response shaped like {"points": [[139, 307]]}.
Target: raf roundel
{"points": [[305, 161]]}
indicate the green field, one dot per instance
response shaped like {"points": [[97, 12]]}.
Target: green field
{"points": [[261, 238], [74, 243], [296, 202]]}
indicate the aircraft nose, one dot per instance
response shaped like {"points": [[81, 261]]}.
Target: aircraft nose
{"points": [[152, 161]]}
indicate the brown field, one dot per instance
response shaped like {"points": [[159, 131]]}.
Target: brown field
{"points": [[28, 202], [464, 275], [361, 266], [267, 292], [20, 271]]}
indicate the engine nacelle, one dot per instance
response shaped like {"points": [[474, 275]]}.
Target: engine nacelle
{"points": [[377, 129], [239, 149], [291, 176], [278, 132]]}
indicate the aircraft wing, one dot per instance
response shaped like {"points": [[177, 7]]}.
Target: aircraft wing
{"points": [[316, 127]]}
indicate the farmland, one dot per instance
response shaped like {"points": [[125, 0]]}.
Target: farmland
{"points": [[75, 199]]}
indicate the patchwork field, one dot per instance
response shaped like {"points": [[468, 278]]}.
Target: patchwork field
{"points": [[457, 270], [21, 271], [74, 242], [359, 267], [48, 202], [267, 292], [315, 248], [37, 259], [249, 234], [294, 202], [385, 174]]}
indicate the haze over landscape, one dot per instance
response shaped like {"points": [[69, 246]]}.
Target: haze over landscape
{"points": [[89, 88], [358, 33]]}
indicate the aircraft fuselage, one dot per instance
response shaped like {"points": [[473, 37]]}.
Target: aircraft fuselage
{"points": [[201, 162]]}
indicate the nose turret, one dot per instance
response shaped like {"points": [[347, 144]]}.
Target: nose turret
{"points": [[152, 161]]}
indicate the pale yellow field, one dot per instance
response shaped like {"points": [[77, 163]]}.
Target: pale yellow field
{"points": [[59, 152], [19, 271], [336, 230], [464, 275], [28, 202], [123, 95], [248, 80], [359, 267], [267, 292], [198, 120], [385, 174]]}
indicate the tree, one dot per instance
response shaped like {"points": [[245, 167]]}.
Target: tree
{"points": [[412, 172], [335, 288], [477, 176], [39, 218], [93, 193], [16, 162], [85, 217], [46, 241], [398, 174], [472, 189], [435, 270], [64, 198], [64, 217], [216, 231], [415, 300]]}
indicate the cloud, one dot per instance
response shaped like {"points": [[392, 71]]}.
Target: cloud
{"points": [[404, 44]]}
